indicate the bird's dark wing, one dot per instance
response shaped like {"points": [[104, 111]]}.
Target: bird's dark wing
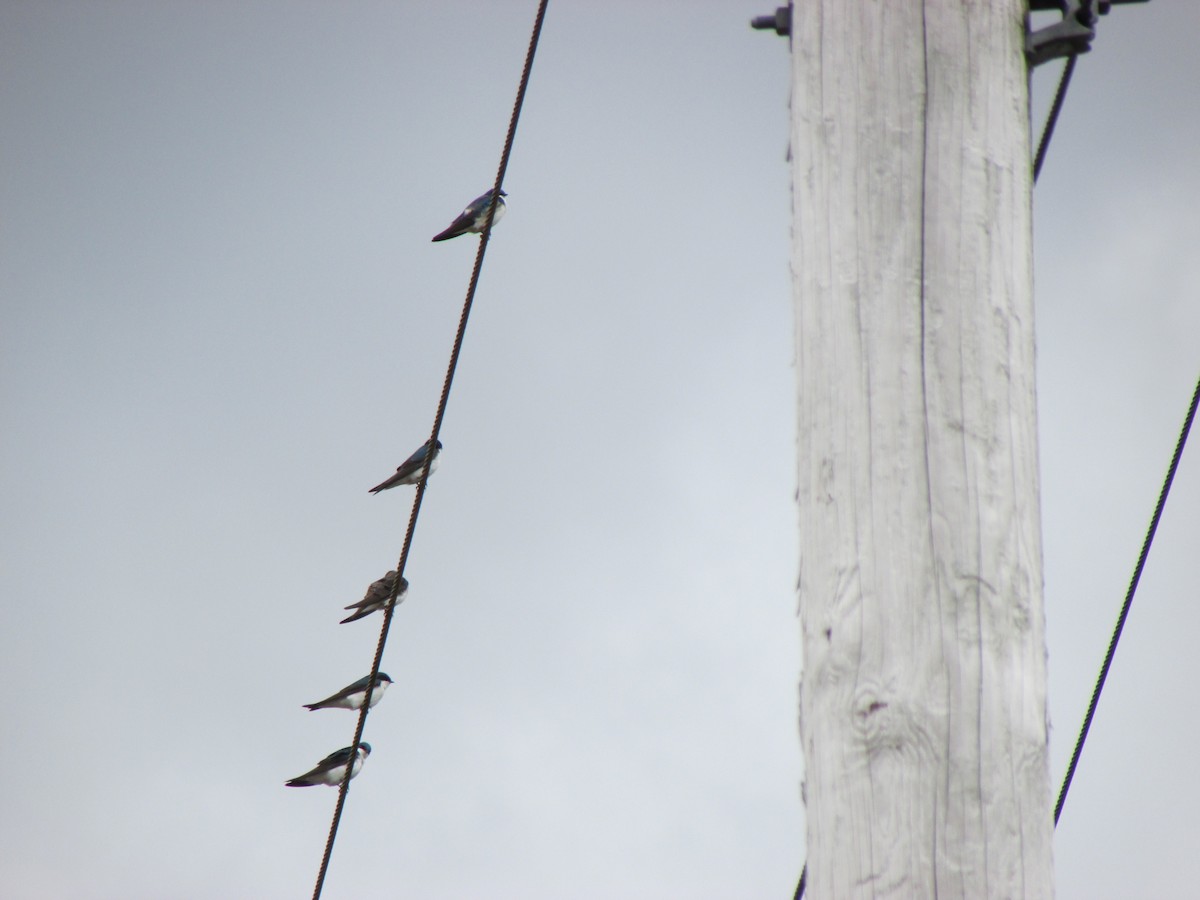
{"points": [[459, 226]]}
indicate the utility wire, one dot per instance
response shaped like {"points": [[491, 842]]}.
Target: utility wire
{"points": [[1133, 583], [389, 609], [1052, 118]]}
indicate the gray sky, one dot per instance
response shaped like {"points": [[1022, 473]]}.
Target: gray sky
{"points": [[224, 321]]}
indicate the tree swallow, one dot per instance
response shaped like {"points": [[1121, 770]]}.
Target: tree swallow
{"points": [[409, 471], [352, 695], [474, 217], [377, 597], [332, 769]]}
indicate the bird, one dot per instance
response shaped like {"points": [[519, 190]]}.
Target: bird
{"points": [[332, 769], [409, 471], [352, 695], [377, 596], [473, 218]]}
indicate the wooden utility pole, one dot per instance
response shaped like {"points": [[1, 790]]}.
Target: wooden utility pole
{"points": [[923, 700]]}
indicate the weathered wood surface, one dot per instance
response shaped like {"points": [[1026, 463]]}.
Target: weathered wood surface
{"points": [[923, 707]]}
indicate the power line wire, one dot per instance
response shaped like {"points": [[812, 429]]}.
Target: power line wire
{"points": [[1052, 118], [802, 883], [1133, 583], [389, 609]]}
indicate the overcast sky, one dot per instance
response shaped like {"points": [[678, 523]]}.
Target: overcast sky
{"points": [[223, 321]]}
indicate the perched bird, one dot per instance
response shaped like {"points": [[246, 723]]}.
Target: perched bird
{"points": [[409, 471], [352, 695], [376, 597], [474, 217], [332, 769]]}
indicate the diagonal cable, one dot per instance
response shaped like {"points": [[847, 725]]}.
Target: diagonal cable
{"points": [[802, 883], [1052, 118], [389, 609], [1133, 583]]}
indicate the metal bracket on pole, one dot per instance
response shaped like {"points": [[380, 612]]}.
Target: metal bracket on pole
{"points": [[780, 21], [1071, 36]]}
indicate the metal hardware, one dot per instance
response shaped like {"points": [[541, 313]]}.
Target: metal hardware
{"points": [[1070, 37], [780, 21]]}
